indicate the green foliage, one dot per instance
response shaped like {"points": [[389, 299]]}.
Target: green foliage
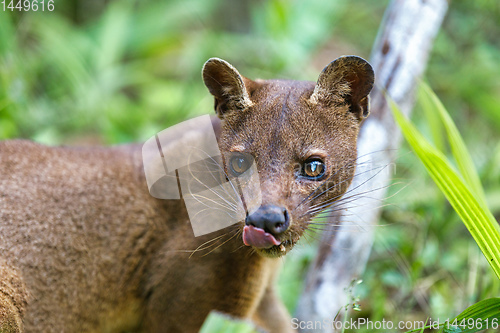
{"points": [[104, 78], [480, 316], [220, 323], [135, 69], [475, 40], [463, 190]]}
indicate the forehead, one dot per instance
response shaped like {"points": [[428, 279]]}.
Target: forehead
{"points": [[282, 117]]}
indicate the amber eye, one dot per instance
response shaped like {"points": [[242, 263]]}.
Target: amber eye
{"points": [[239, 163], [313, 169]]}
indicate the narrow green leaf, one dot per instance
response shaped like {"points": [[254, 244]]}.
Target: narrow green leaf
{"points": [[474, 214], [459, 150], [478, 317], [433, 118]]}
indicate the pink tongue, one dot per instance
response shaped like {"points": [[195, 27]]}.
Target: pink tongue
{"points": [[258, 238]]}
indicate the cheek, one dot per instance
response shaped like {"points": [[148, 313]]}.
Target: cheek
{"points": [[342, 166], [341, 182], [305, 195], [305, 189]]}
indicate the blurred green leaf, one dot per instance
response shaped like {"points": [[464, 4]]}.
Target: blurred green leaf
{"points": [[217, 322], [7, 35], [432, 118]]}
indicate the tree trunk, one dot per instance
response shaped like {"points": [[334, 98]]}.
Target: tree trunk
{"points": [[399, 58]]}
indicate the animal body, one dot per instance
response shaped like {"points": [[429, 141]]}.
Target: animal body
{"points": [[84, 247]]}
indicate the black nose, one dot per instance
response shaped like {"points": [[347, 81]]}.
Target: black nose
{"points": [[272, 219]]}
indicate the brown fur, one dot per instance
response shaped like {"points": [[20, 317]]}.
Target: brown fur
{"points": [[85, 248]]}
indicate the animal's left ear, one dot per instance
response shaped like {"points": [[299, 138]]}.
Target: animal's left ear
{"points": [[348, 79]]}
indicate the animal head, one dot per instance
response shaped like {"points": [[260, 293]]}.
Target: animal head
{"points": [[301, 136]]}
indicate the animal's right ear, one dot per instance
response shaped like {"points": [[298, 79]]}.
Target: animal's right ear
{"points": [[226, 85]]}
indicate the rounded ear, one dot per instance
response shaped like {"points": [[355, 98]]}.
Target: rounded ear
{"points": [[347, 79], [226, 85]]}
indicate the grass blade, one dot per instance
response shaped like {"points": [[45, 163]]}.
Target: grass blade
{"points": [[458, 148], [478, 317], [473, 212]]}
